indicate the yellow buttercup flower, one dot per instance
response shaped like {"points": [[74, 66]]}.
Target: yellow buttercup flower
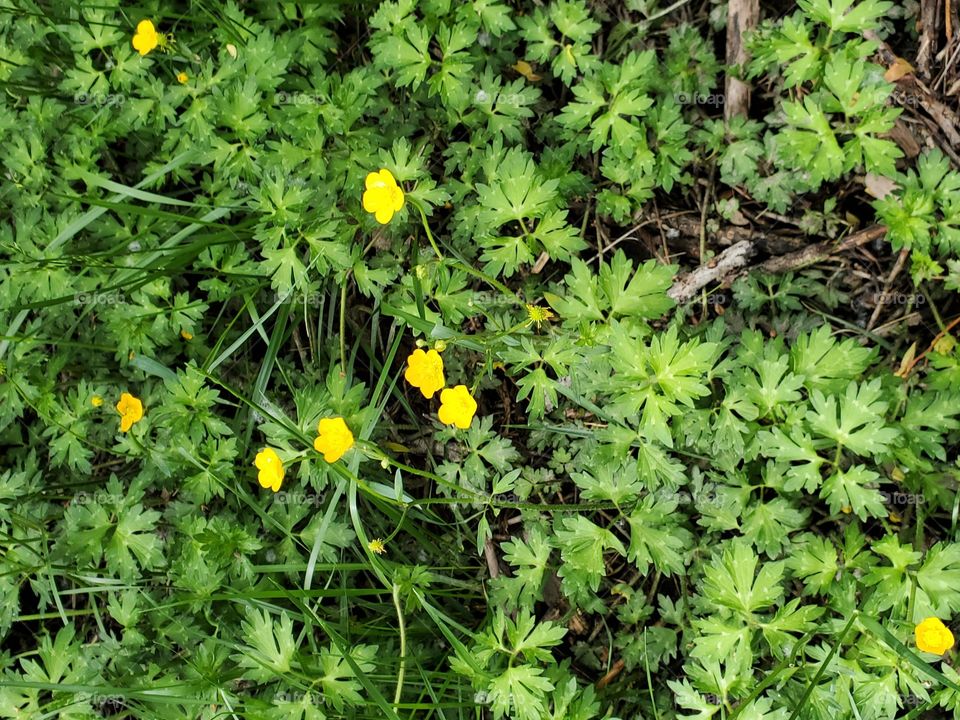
{"points": [[377, 546], [96, 401], [131, 411], [383, 197], [186, 335], [271, 468], [146, 38], [457, 407], [334, 439], [182, 77], [537, 315], [933, 636], [425, 371]]}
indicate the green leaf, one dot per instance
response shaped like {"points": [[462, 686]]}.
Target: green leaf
{"points": [[270, 647], [839, 17], [582, 545], [731, 580], [519, 692], [657, 537], [939, 577], [859, 425], [847, 490]]}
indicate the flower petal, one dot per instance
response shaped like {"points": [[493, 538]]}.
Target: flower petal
{"points": [[384, 214]]}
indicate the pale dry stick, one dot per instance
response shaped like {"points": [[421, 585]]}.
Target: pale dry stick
{"points": [[490, 553], [948, 25], [897, 268], [742, 16], [734, 259], [730, 261], [928, 35], [941, 81]]}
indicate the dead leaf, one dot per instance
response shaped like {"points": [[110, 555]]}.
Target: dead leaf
{"points": [[878, 186], [525, 69], [907, 362], [898, 69]]}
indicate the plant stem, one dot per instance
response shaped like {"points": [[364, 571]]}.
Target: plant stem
{"points": [[403, 644], [426, 226], [343, 327]]}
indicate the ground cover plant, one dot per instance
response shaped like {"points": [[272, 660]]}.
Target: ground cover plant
{"points": [[488, 359]]}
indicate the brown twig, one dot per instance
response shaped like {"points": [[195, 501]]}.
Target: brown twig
{"points": [[611, 675], [490, 553], [733, 261], [821, 251]]}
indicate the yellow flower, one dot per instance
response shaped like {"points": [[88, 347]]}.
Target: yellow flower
{"points": [[334, 439], [377, 546], [182, 77], [383, 197], [271, 468], [146, 38], [933, 636], [537, 315], [131, 411], [425, 371], [457, 407], [186, 335], [96, 401]]}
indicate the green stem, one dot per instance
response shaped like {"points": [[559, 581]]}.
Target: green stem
{"points": [[403, 644], [343, 327], [426, 226], [823, 667]]}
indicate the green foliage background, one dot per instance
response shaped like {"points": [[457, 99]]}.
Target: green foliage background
{"points": [[744, 514]]}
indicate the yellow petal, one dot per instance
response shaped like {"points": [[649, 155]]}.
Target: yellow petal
{"points": [[370, 203], [398, 199], [374, 181], [384, 214]]}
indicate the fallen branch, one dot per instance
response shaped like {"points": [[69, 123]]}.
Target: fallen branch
{"points": [[821, 251], [734, 259], [726, 263]]}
